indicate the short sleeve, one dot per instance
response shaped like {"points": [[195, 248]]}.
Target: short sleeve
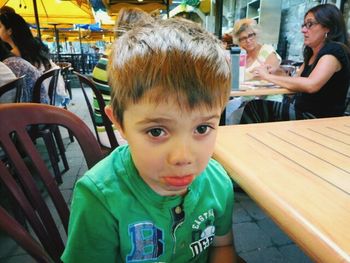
{"points": [[225, 193], [267, 50], [336, 50], [92, 232]]}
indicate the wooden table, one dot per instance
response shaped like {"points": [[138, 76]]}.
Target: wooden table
{"points": [[259, 91], [245, 90], [299, 173]]}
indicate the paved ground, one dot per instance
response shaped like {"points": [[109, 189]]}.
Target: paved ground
{"points": [[257, 238]]}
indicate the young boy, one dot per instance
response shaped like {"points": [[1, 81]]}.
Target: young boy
{"points": [[161, 198]]}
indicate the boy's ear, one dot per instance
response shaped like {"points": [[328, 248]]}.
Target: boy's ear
{"points": [[109, 113]]}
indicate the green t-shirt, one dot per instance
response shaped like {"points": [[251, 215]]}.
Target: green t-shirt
{"points": [[117, 217]]}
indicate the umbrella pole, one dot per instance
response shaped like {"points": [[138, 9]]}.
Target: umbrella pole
{"points": [[57, 42], [82, 53], [37, 18], [167, 8]]}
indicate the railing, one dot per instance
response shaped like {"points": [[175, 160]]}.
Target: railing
{"points": [[83, 63]]}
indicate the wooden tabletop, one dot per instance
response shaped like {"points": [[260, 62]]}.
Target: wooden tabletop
{"points": [[299, 173], [259, 91]]}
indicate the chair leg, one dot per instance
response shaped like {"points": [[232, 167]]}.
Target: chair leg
{"points": [[69, 88], [62, 150], [51, 150], [71, 137]]}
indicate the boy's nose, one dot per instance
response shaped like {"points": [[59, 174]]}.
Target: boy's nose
{"points": [[180, 154]]}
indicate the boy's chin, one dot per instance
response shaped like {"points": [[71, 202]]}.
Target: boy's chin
{"points": [[173, 191]]}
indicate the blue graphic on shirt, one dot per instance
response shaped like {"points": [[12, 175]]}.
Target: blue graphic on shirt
{"points": [[147, 242], [206, 239]]}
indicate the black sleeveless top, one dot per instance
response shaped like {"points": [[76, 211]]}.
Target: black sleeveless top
{"points": [[329, 101]]}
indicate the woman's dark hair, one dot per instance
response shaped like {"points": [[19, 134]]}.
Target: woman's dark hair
{"points": [[7, 9], [4, 51], [32, 49], [329, 16]]}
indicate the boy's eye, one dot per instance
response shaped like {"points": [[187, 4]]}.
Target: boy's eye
{"points": [[156, 132], [202, 129]]}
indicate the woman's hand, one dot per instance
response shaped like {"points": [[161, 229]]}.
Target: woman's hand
{"points": [[261, 72]]}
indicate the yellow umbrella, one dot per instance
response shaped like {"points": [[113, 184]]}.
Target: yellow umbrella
{"points": [[114, 6], [53, 11]]}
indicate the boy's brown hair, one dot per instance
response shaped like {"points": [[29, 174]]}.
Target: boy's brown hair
{"points": [[129, 18], [168, 58]]}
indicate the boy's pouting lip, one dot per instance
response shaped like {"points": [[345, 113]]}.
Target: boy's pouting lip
{"points": [[179, 181]]}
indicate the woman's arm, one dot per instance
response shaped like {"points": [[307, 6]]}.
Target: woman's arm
{"points": [[273, 64], [223, 254], [324, 70]]}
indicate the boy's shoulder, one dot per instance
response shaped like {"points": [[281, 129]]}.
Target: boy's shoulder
{"points": [[104, 172], [216, 167], [216, 174]]}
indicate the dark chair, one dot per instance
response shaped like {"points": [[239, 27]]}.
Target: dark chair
{"points": [[84, 81], [29, 181], [51, 135], [53, 74], [16, 84]]}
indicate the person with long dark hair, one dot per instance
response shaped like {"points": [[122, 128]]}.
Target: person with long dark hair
{"points": [[15, 31], [322, 83], [20, 67]]}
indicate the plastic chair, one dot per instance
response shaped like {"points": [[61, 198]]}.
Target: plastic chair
{"points": [[53, 74], [14, 84], [21, 182], [51, 135], [101, 103]]}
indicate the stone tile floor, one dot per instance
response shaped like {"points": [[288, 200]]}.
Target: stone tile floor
{"points": [[257, 238]]}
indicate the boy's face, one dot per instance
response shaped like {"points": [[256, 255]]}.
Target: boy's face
{"points": [[170, 147]]}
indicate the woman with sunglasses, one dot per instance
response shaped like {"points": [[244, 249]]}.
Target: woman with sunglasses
{"points": [[322, 82], [245, 34]]}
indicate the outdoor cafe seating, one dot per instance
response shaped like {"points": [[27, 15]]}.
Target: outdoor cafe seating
{"points": [[82, 63], [50, 134], [29, 183]]}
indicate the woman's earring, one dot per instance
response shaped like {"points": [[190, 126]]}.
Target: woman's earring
{"points": [[326, 35]]}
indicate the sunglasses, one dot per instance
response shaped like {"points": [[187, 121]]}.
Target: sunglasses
{"points": [[309, 24], [244, 39]]}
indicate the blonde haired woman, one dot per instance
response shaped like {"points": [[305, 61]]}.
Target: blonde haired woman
{"points": [[246, 33]]}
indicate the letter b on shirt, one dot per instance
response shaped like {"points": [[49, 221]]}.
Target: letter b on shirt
{"points": [[147, 242]]}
